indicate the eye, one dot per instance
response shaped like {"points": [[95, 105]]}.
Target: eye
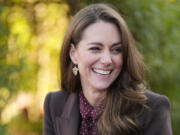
{"points": [[117, 50], [94, 48]]}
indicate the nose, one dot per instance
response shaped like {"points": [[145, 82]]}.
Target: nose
{"points": [[106, 58]]}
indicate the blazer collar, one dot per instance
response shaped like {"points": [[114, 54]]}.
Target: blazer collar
{"points": [[68, 123]]}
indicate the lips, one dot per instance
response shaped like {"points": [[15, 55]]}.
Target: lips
{"points": [[102, 72]]}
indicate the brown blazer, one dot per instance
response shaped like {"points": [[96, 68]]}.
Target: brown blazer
{"points": [[62, 117]]}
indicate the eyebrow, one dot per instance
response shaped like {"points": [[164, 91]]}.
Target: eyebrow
{"points": [[100, 44]]}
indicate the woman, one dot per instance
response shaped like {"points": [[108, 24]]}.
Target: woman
{"points": [[102, 81]]}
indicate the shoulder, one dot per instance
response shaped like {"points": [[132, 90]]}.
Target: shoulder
{"points": [[55, 101], [155, 100], [57, 95], [155, 118]]}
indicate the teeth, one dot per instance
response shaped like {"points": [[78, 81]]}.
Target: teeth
{"points": [[102, 71]]}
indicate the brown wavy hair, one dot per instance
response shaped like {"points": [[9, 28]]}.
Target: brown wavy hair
{"points": [[125, 97]]}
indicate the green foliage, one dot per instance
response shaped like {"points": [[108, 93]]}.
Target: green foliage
{"points": [[12, 46], [30, 36], [175, 110], [21, 126], [3, 129]]}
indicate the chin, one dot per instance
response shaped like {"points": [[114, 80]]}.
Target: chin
{"points": [[101, 87]]}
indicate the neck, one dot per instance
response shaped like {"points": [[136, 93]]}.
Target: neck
{"points": [[94, 97]]}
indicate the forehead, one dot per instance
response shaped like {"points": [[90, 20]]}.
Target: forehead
{"points": [[102, 32]]}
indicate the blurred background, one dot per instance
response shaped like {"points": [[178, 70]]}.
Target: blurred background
{"points": [[31, 34]]}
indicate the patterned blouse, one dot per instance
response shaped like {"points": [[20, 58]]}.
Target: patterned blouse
{"points": [[89, 116]]}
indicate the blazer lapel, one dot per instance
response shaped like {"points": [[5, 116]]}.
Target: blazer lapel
{"points": [[68, 123]]}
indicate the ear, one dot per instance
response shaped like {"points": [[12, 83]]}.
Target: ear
{"points": [[73, 54]]}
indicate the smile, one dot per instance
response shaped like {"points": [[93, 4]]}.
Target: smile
{"points": [[103, 72]]}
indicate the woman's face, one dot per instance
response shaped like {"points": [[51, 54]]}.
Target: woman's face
{"points": [[98, 56]]}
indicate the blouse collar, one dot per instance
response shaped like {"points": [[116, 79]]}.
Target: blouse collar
{"points": [[87, 110]]}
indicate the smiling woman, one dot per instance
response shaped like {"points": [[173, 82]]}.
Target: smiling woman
{"points": [[99, 59], [102, 81]]}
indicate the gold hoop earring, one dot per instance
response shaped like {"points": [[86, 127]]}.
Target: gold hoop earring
{"points": [[75, 70]]}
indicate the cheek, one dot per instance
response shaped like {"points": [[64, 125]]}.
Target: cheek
{"points": [[118, 61], [85, 61], [86, 58]]}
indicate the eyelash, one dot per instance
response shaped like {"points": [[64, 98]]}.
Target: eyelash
{"points": [[115, 50], [94, 48]]}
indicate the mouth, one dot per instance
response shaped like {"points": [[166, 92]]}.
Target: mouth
{"points": [[102, 72]]}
